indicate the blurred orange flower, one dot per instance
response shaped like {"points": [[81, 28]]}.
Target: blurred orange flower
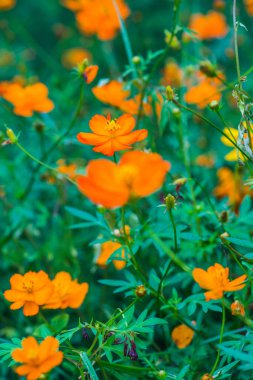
{"points": [[237, 308], [68, 170], [182, 336], [29, 99], [114, 94], [67, 292], [203, 93], [110, 136], [113, 185], [172, 75], [249, 6], [215, 279], [29, 291], [37, 359], [205, 160], [74, 56], [231, 186], [212, 25], [98, 17], [107, 250], [7, 4], [90, 73]]}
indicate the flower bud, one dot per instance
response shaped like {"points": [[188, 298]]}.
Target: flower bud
{"points": [[207, 68], [224, 236], [136, 60], [206, 376], [214, 105], [13, 138], [140, 291], [170, 202], [237, 308], [161, 375], [224, 216], [170, 93], [39, 126]]}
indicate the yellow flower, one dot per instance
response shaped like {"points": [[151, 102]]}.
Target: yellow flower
{"points": [[234, 154]]}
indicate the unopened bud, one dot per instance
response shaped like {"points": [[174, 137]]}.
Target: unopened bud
{"points": [[176, 112], [140, 291], [214, 105], [13, 138], [170, 202], [171, 41], [206, 376], [136, 60], [170, 93], [39, 126], [224, 236], [207, 68], [237, 308], [161, 375]]}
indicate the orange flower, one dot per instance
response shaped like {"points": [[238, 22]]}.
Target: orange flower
{"points": [[110, 136], [107, 250], [205, 160], [98, 17], [237, 308], [182, 336], [215, 279], [212, 25], [203, 93], [29, 291], [114, 94], [74, 56], [68, 170], [249, 6], [172, 75], [37, 359], [7, 4], [27, 100], [90, 73], [67, 292], [231, 186], [112, 185]]}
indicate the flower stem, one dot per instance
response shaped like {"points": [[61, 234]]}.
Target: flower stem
{"points": [[235, 26], [221, 337]]}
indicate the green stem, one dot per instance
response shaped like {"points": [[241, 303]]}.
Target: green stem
{"points": [[235, 26], [212, 125], [221, 337], [174, 230], [40, 162], [126, 39], [55, 144]]}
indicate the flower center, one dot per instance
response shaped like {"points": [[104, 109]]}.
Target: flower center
{"points": [[112, 125], [28, 286], [128, 173], [221, 277]]}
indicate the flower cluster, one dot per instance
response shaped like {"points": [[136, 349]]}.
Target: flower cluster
{"points": [[34, 290]]}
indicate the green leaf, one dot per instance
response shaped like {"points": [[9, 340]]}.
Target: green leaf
{"points": [[88, 365], [59, 322], [240, 242]]}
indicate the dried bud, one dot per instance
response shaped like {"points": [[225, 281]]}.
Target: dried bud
{"points": [[140, 291], [224, 216], [170, 93], [237, 308], [207, 68], [39, 126], [170, 202]]}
